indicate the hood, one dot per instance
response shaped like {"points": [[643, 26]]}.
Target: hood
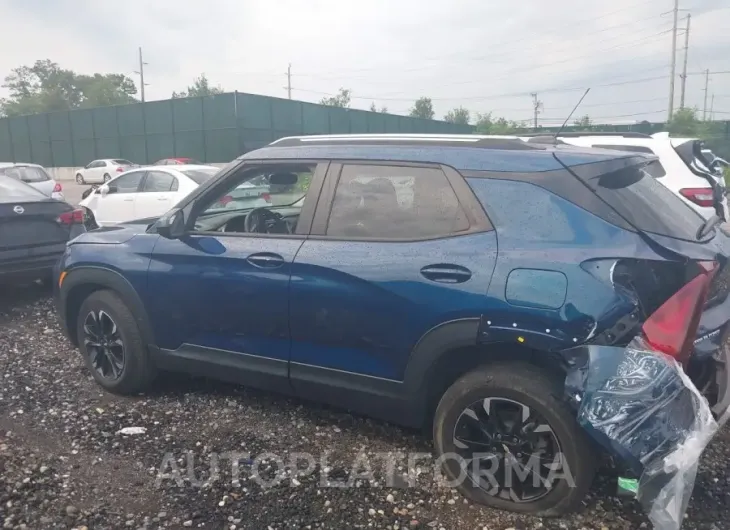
{"points": [[116, 234]]}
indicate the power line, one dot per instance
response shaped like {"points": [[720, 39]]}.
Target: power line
{"points": [[494, 96], [461, 57]]}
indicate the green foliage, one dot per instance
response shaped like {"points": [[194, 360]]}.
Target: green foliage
{"points": [[422, 108], [383, 109], [342, 99], [46, 87], [485, 124], [200, 87], [459, 115], [584, 122]]}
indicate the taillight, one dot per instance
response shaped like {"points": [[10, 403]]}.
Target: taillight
{"points": [[120, 169], [225, 200], [699, 196], [671, 329], [57, 188], [266, 197], [70, 218]]}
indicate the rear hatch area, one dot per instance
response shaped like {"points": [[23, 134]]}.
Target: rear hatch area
{"points": [[653, 394]]}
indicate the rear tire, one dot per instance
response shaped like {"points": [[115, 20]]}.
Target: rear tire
{"points": [[515, 385], [80, 179], [107, 178], [112, 345]]}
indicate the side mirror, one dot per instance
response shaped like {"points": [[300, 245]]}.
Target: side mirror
{"points": [[172, 224], [105, 189]]}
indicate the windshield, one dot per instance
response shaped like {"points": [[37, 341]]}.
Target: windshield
{"points": [[12, 190], [199, 175], [25, 173]]}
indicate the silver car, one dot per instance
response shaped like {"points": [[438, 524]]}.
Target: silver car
{"points": [[33, 175]]}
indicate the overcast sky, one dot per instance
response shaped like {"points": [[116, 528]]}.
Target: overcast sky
{"points": [[487, 55]]}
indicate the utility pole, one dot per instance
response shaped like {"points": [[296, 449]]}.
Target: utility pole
{"points": [[141, 74], [674, 60], [712, 106], [288, 81], [684, 68], [536, 106], [707, 83]]}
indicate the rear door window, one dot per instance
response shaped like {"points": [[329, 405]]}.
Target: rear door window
{"points": [[159, 181], [402, 203], [646, 203]]}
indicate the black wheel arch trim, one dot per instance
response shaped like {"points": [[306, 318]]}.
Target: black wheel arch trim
{"points": [[437, 341], [109, 279]]}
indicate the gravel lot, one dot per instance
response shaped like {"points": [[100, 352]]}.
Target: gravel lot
{"points": [[63, 463]]}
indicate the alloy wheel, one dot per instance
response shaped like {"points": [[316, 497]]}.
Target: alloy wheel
{"points": [[104, 345], [508, 450]]}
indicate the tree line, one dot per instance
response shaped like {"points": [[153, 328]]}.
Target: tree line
{"points": [[47, 87]]}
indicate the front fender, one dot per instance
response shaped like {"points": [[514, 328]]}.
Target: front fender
{"points": [[81, 281]]}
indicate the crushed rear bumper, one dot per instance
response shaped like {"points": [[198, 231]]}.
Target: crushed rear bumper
{"points": [[644, 410]]}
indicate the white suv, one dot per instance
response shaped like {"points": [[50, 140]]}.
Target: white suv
{"points": [[680, 167]]}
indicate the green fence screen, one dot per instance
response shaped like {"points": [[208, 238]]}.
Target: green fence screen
{"points": [[210, 129]]}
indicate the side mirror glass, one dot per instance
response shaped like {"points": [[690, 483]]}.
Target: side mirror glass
{"points": [[104, 190], [172, 224]]}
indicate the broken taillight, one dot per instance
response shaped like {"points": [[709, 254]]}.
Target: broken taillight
{"points": [[225, 200], [266, 197], [57, 188], [672, 327]]}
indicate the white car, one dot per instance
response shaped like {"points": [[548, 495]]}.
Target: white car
{"points": [[679, 167], [35, 176], [103, 170], [144, 192]]}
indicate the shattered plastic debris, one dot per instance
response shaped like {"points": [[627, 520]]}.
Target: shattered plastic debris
{"points": [[642, 407], [132, 430]]}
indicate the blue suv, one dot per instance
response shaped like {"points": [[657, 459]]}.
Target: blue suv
{"points": [[438, 281]]}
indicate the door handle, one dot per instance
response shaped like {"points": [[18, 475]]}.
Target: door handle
{"points": [[446, 273], [161, 199], [265, 260], [128, 200]]}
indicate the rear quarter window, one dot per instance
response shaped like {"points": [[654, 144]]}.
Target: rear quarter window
{"points": [[647, 204]]}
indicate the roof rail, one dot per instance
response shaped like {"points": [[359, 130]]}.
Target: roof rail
{"points": [[465, 140], [596, 133]]}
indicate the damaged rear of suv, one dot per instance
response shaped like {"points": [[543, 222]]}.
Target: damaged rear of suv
{"points": [[644, 339]]}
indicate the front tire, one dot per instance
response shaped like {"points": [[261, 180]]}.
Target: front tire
{"points": [[514, 417], [80, 179], [112, 345]]}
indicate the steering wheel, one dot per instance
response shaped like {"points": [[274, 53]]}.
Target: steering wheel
{"points": [[255, 222]]}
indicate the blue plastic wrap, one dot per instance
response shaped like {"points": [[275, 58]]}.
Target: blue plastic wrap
{"points": [[641, 406]]}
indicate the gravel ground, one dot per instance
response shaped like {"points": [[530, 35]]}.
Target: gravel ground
{"points": [[64, 464]]}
